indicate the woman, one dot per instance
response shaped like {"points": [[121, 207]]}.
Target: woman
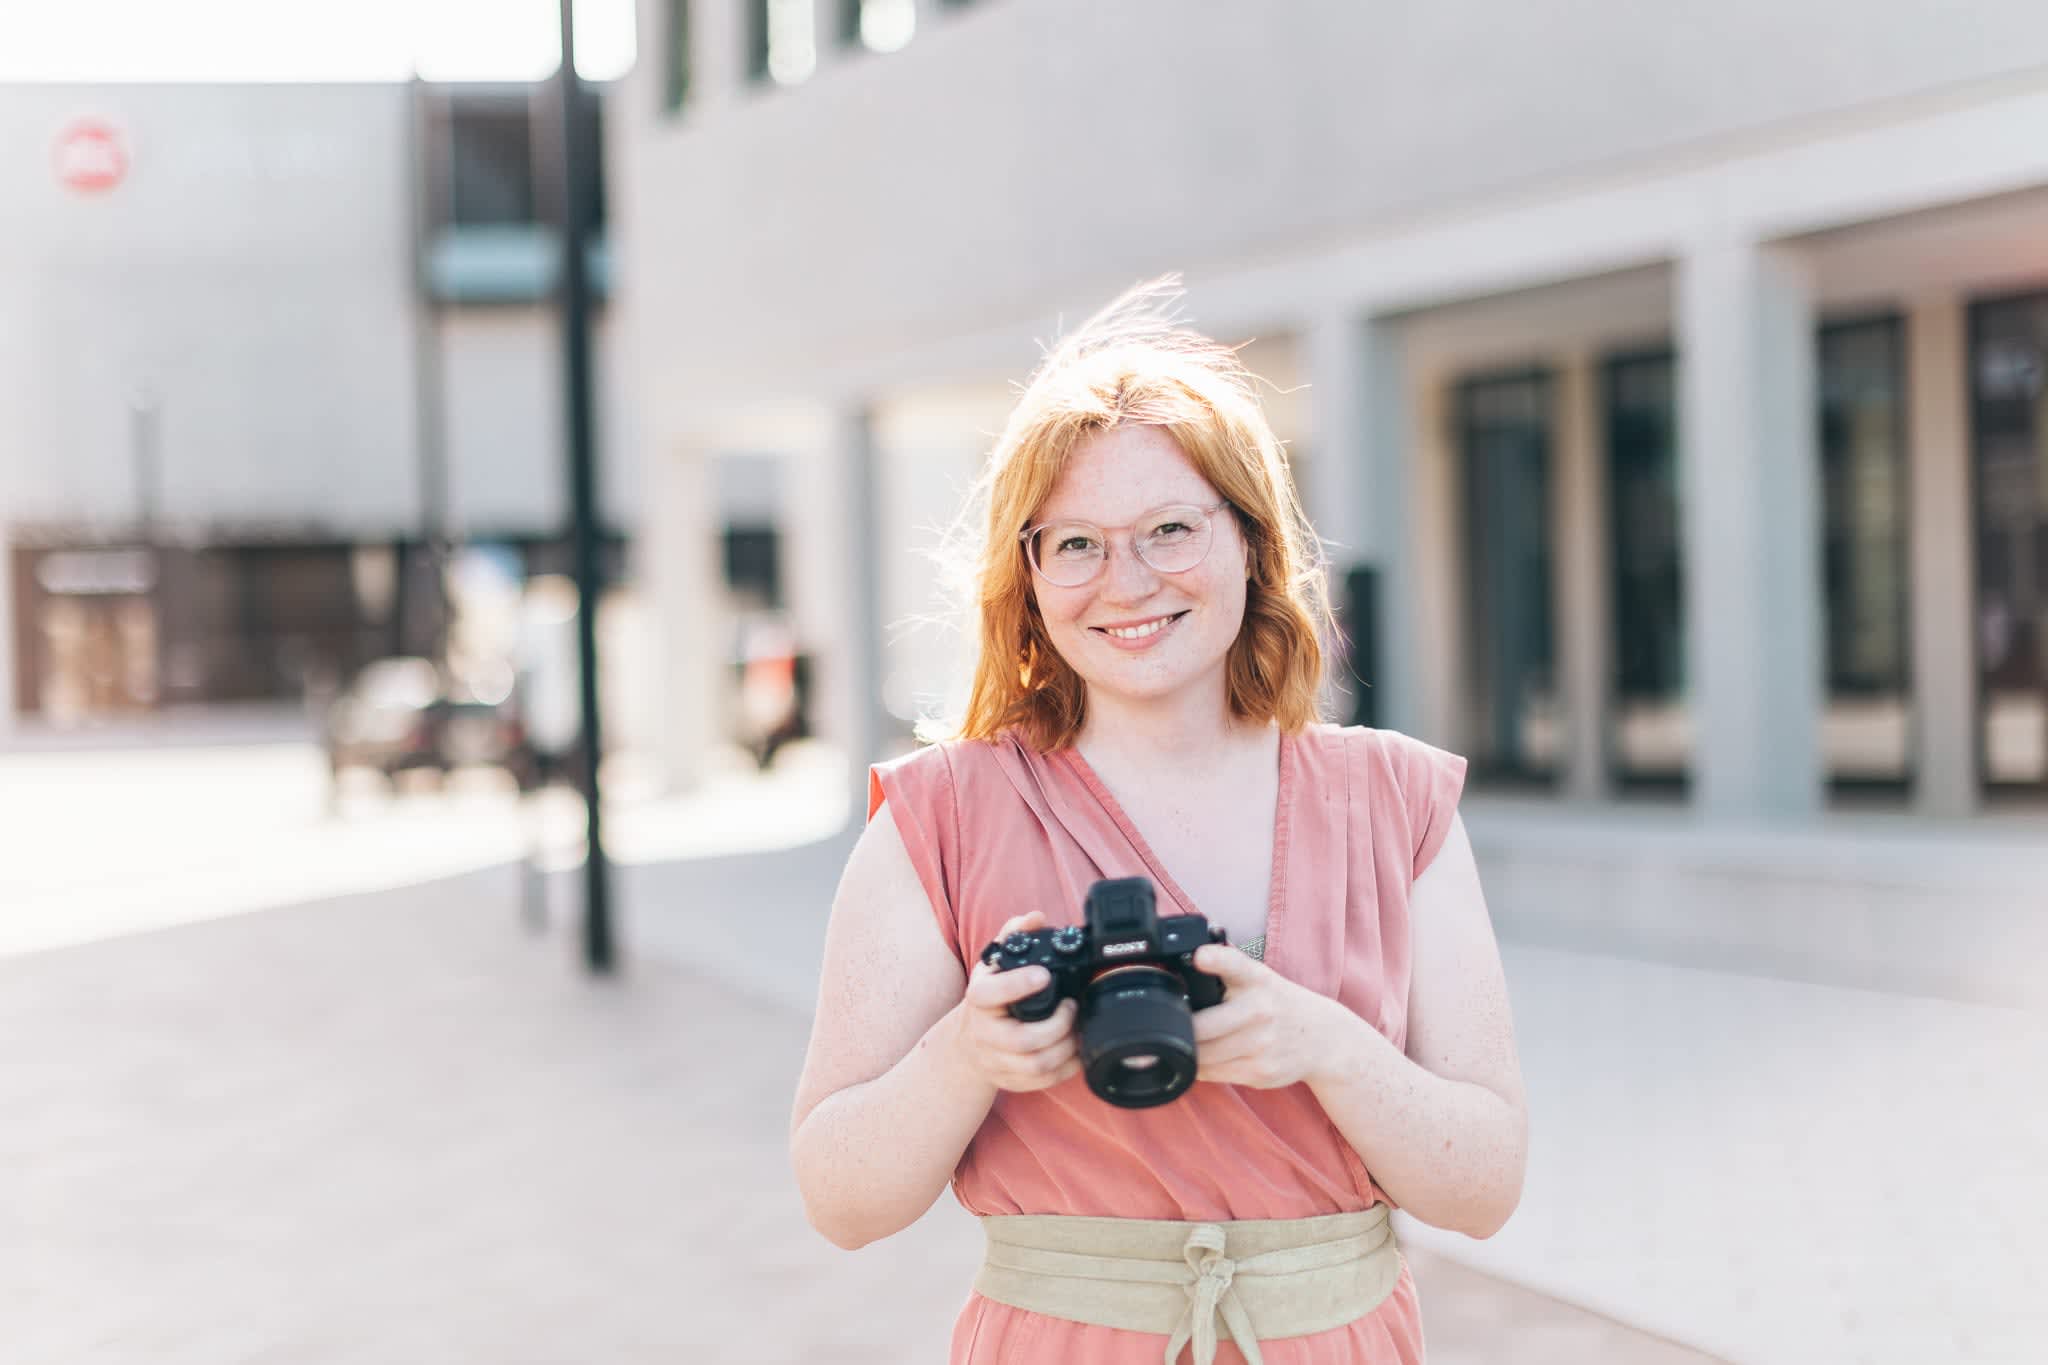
{"points": [[1144, 705]]}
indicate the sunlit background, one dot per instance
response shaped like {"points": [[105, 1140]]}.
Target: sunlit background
{"points": [[1670, 389], [246, 40]]}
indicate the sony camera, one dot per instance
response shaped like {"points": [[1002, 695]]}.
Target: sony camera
{"points": [[1134, 976]]}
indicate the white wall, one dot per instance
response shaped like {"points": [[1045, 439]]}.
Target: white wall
{"points": [[251, 275], [968, 180], [254, 276], [505, 434]]}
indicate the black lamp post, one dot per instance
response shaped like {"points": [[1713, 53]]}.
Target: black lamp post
{"points": [[576, 186]]}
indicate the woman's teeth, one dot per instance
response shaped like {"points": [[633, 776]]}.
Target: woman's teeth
{"points": [[1139, 632]]}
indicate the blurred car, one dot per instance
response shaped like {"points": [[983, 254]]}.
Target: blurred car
{"points": [[396, 716]]}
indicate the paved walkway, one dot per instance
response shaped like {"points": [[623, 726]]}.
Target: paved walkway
{"points": [[107, 834], [395, 1126], [1770, 1171], [402, 1128]]}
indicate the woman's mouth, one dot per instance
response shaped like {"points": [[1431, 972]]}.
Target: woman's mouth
{"points": [[1138, 634]]}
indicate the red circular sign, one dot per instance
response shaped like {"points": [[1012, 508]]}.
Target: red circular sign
{"points": [[91, 156]]}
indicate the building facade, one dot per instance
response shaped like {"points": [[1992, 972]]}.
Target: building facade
{"points": [[262, 349], [1671, 388]]}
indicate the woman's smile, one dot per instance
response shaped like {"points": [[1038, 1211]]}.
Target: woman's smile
{"points": [[1139, 634]]}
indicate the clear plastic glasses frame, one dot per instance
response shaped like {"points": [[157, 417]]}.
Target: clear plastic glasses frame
{"points": [[1069, 553]]}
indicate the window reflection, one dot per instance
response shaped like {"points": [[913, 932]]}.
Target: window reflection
{"points": [[1865, 733], [1649, 727], [2009, 378], [1512, 723]]}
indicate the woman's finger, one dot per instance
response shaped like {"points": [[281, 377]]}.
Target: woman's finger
{"points": [[1044, 1069], [1021, 924], [1219, 1021], [1036, 1035], [1048, 1060], [991, 990]]}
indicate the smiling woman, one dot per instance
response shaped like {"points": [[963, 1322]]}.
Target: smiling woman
{"points": [[1142, 730], [260, 40]]}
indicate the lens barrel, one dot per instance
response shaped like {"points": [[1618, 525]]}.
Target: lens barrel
{"points": [[1137, 1037]]}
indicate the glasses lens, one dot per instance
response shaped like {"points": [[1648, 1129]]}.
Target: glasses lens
{"points": [[1068, 554], [1174, 539]]}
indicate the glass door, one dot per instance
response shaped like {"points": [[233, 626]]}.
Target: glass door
{"points": [[1649, 730], [1513, 722], [2009, 392]]}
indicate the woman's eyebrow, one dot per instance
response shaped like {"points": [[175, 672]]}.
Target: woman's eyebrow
{"points": [[1044, 518]]}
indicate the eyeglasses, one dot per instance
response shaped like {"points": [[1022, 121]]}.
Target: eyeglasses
{"points": [[1171, 539]]}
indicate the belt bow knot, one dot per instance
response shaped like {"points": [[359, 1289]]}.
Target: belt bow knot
{"points": [[1209, 1296]]}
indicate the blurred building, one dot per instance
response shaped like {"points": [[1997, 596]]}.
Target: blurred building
{"points": [[1676, 399], [262, 347]]}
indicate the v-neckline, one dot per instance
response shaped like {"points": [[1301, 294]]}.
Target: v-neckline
{"points": [[1283, 809]]}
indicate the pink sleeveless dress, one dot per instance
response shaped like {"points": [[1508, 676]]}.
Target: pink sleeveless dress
{"points": [[995, 829]]}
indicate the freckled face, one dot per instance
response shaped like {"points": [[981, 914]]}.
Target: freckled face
{"points": [[1133, 632]]}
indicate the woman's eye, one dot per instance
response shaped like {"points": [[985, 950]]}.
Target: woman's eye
{"points": [[1170, 530], [1074, 545]]}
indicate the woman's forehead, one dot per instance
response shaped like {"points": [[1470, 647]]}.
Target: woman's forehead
{"points": [[1122, 473]]}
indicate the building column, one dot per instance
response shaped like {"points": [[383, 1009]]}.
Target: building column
{"points": [[1749, 474], [825, 34], [1582, 592], [8, 625], [677, 545], [1938, 538], [718, 51], [835, 565], [1360, 493]]}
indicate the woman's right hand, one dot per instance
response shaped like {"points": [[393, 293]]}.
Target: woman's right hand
{"points": [[1011, 1054]]}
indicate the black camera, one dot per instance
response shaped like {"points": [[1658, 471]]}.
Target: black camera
{"points": [[1134, 975]]}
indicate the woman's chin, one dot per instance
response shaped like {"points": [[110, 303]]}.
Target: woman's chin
{"points": [[1128, 687]]}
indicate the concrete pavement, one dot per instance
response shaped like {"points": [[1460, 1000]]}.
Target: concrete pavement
{"points": [[400, 1127], [109, 834], [1766, 1170]]}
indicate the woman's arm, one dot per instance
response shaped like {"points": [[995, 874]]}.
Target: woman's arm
{"points": [[901, 1068], [1444, 1129]]}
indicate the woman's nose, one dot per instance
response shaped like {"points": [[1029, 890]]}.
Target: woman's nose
{"points": [[1126, 575]]}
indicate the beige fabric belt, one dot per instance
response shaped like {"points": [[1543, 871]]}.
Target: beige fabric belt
{"points": [[1264, 1278]]}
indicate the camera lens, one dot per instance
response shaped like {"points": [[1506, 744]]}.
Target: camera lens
{"points": [[1137, 1037]]}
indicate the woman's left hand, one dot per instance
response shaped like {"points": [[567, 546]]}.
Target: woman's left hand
{"points": [[1269, 1031]]}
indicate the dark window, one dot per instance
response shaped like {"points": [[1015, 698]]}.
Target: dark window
{"points": [[262, 622], [491, 156], [848, 26], [1648, 726], [491, 198], [675, 87], [593, 153], [557, 555], [2009, 392], [757, 39], [1504, 448], [753, 565], [1863, 491]]}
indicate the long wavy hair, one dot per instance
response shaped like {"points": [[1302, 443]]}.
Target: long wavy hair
{"points": [[1134, 364]]}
